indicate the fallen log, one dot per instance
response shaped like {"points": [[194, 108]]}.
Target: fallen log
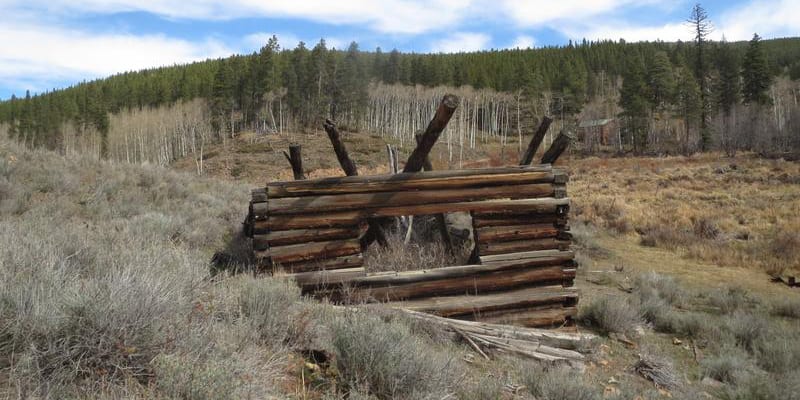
{"points": [[559, 145], [538, 344], [536, 141]]}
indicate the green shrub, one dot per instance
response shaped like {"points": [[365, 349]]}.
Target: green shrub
{"points": [[557, 383], [610, 315]]}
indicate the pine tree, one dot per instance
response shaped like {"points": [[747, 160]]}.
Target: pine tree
{"points": [[701, 27], [728, 85], [755, 73], [634, 102], [660, 79]]}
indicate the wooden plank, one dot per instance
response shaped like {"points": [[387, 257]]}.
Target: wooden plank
{"points": [[310, 251], [516, 232], [295, 158], [440, 119], [352, 261], [559, 145], [313, 204], [470, 284], [510, 220], [536, 140], [554, 315], [490, 248], [327, 277], [295, 236], [566, 255], [448, 179], [453, 306], [349, 218]]}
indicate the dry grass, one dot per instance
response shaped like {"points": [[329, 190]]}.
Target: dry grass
{"points": [[744, 216]]}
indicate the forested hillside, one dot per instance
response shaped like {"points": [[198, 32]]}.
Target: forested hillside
{"points": [[667, 97]]}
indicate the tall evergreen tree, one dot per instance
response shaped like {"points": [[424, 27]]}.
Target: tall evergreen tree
{"points": [[634, 102], [755, 73], [701, 28], [728, 85]]}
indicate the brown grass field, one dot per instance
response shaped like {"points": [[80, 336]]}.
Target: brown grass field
{"points": [[106, 289]]}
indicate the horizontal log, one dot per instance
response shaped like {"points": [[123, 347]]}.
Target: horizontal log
{"points": [[295, 236], [453, 306], [516, 232], [310, 251], [534, 255], [315, 204], [355, 260], [328, 277], [450, 179], [353, 217], [490, 248], [530, 318], [472, 284], [510, 220]]}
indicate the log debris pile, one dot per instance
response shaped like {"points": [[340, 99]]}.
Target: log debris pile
{"points": [[522, 269]]}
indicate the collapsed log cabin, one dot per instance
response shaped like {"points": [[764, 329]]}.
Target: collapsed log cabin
{"points": [[522, 270]]}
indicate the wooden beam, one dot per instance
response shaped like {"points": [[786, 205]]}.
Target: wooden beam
{"points": [[316, 204], [536, 141], [353, 217], [352, 261], [560, 144], [310, 251], [443, 114], [490, 248], [295, 236], [455, 306], [516, 232], [325, 278], [510, 220], [295, 158], [545, 316]]}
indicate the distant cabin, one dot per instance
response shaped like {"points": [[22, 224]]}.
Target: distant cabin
{"points": [[596, 132]]}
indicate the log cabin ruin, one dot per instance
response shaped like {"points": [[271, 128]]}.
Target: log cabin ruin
{"points": [[520, 270]]}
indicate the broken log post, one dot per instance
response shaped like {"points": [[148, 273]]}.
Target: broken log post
{"points": [[440, 220], [426, 162], [443, 114], [295, 158], [559, 145], [536, 141], [349, 167], [392, 153]]}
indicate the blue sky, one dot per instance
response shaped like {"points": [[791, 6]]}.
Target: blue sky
{"points": [[47, 44]]}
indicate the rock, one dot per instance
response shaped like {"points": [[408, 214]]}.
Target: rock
{"points": [[711, 382], [677, 341]]}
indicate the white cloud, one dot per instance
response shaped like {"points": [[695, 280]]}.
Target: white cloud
{"points": [[391, 16], [540, 12], [461, 41], [523, 42], [39, 56], [768, 19]]}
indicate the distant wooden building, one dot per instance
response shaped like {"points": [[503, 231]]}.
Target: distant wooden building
{"points": [[596, 132]]}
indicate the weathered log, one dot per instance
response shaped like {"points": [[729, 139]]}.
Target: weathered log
{"points": [[559, 145], [258, 195], [469, 284], [490, 248], [314, 204], [516, 232], [352, 261], [443, 114], [528, 255], [546, 316], [349, 218], [448, 179], [489, 220], [536, 141], [347, 164], [310, 251], [295, 236], [426, 162], [295, 158], [546, 258], [327, 277], [456, 306]]}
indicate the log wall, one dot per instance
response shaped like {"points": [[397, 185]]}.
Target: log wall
{"points": [[312, 229]]}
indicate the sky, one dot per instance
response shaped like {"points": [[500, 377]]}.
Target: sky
{"points": [[46, 44]]}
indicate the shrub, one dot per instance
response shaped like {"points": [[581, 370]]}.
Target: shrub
{"points": [[747, 328], [778, 351], [731, 299], [727, 365], [786, 307], [557, 383], [656, 286], [705, 228], [269, 306], [388, 359], [610, 315]]}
